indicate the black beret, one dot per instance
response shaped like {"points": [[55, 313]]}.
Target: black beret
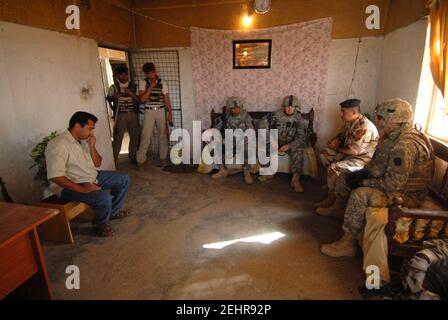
{"points": [[350, 103]]}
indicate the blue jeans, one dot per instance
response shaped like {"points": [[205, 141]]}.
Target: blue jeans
{"points": [[104, 204]]}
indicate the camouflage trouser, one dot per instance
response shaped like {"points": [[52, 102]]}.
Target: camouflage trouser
{"points": [[296, 156], [355, 212], [341, 188], [336, 166], [228, 156]]}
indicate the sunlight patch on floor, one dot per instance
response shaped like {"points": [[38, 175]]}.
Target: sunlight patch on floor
{"points": [[263, 238]]}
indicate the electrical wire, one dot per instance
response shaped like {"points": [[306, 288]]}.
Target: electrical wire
{"points": [[350, 89], [120, 5]]}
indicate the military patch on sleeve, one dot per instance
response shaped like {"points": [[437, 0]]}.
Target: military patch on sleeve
{"points": [[398, 161], [358, 134]]}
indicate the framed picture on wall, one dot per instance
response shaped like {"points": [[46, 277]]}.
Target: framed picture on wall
{"points": [[252, 54]]}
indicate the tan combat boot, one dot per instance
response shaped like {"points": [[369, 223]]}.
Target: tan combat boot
{"points": [[335, 210], [345, 247], [265, 178], [221, 173], [295, 183], [248, 177], [331, 198]]}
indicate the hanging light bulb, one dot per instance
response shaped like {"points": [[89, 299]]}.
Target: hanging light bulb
{"points": [[247, 20]]}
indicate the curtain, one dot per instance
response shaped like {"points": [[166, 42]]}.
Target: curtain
{"points": [[438, 45]]}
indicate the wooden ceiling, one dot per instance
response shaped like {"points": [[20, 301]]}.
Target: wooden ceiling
{"points": [[223, 14], [348, 17], [110, 21]]}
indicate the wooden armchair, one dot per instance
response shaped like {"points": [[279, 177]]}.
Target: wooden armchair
{"points": [[420, 224]]}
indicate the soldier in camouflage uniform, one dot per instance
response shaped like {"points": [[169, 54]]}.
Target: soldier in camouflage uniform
{"points": [[349, 151], [235, 117], [402, 167], [293, 136]]}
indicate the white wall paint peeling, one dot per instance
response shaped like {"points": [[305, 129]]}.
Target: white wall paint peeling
{"points": [[42, 76]]}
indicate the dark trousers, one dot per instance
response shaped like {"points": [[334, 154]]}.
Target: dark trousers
{"points": [[104, 204]]}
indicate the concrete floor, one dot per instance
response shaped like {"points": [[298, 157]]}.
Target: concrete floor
{"points": [[157, 253]]}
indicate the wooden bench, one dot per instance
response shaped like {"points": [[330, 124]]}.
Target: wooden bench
{"points": [[58, 228], [426, 223]]}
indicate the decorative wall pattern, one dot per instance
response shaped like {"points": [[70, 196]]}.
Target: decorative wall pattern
{"points": [[300, 56]]}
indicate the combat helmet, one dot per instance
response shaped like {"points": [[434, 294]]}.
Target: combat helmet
{"points": [[395, 111], [234, 102], [291, 101]]}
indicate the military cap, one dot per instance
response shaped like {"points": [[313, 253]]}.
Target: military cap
{"points": [[291, 101], [350, 103]]}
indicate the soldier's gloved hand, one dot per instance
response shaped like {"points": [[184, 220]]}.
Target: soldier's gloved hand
{"points": [[354, 179]]}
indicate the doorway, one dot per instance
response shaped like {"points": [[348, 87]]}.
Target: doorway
{"points": [[110, 60]]}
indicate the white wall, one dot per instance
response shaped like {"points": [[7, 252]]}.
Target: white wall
{"points": [[388, 67], [340, 73], [186, 89], [42, 76], [402, 63]]}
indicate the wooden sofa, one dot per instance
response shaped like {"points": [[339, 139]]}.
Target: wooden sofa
{"points": [[310, 161], [258, 115], [425, 223]]}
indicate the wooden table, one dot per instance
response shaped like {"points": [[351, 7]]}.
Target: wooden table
{"points": [[22, 266]]}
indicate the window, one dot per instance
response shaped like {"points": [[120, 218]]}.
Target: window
{"points": [[430, 110]]}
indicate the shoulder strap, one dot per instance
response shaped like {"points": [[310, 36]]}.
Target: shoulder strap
{"points": [[115, 85]]}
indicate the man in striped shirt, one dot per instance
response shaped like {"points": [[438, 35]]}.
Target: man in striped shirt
{"points": [[153, 93]]}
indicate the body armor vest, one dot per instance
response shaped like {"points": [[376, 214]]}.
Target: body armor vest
{"points": [[423, 171], [287, 126], [156, 98], [125, 102]]}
